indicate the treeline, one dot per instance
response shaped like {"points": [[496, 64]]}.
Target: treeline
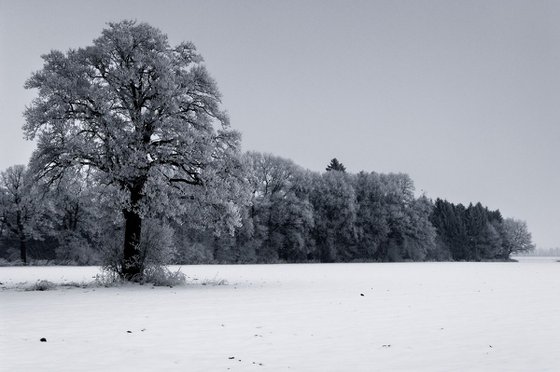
{"points": [[475, 233], [542, 252], [284, 213], [136, 165]]}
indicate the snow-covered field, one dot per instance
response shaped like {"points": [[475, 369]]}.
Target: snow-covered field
{"points": [[340, 317]]}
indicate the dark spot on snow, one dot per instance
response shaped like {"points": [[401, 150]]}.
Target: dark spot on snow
{"points": [[143, 329], [490, 346], [387, 345], [43, 339], [128, 331], [361, 294], [231, 357]]}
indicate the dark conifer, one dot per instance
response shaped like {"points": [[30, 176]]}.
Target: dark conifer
{"points": [[335, 165]]}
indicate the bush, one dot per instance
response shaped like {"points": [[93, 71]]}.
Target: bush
{"points": [[157, 243], [162, 276], [108, 278], [4, 262], [156, 247], [196, 253], [42, 285], [74, 249]]}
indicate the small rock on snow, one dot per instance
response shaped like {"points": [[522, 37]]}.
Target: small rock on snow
{"points": [[43, 339]]}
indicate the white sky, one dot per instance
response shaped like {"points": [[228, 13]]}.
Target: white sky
{"points": [[462, 95]]}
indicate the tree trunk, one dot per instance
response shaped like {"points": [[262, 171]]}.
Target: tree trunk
{"points": [[22, 238], [23, 249], [133, 265]]}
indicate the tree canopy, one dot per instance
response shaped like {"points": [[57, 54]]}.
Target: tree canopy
{"points": [[142, 115]]}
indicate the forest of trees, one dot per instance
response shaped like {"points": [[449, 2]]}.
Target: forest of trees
{"points": [[136, 164], [283, 213]]}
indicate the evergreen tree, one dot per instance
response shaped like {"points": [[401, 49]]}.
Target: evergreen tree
{"points": [[448, 219], [335, 165]]}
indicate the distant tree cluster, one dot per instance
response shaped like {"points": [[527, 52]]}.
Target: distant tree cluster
{"points": [[136, 165], [542, 252], [475, 233]]}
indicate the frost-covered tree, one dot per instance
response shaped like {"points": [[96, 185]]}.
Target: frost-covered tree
{"points": [[145, 118], [516, 237], [334, 204], [281, 214], [372, 227], [20, 214], [410, 234], [76, 218], [420, 235]]}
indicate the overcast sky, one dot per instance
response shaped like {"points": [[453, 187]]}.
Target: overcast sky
{"points": [[462, 95]]}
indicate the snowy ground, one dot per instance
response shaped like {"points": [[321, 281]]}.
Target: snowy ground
{"points": [[340, 317]]}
